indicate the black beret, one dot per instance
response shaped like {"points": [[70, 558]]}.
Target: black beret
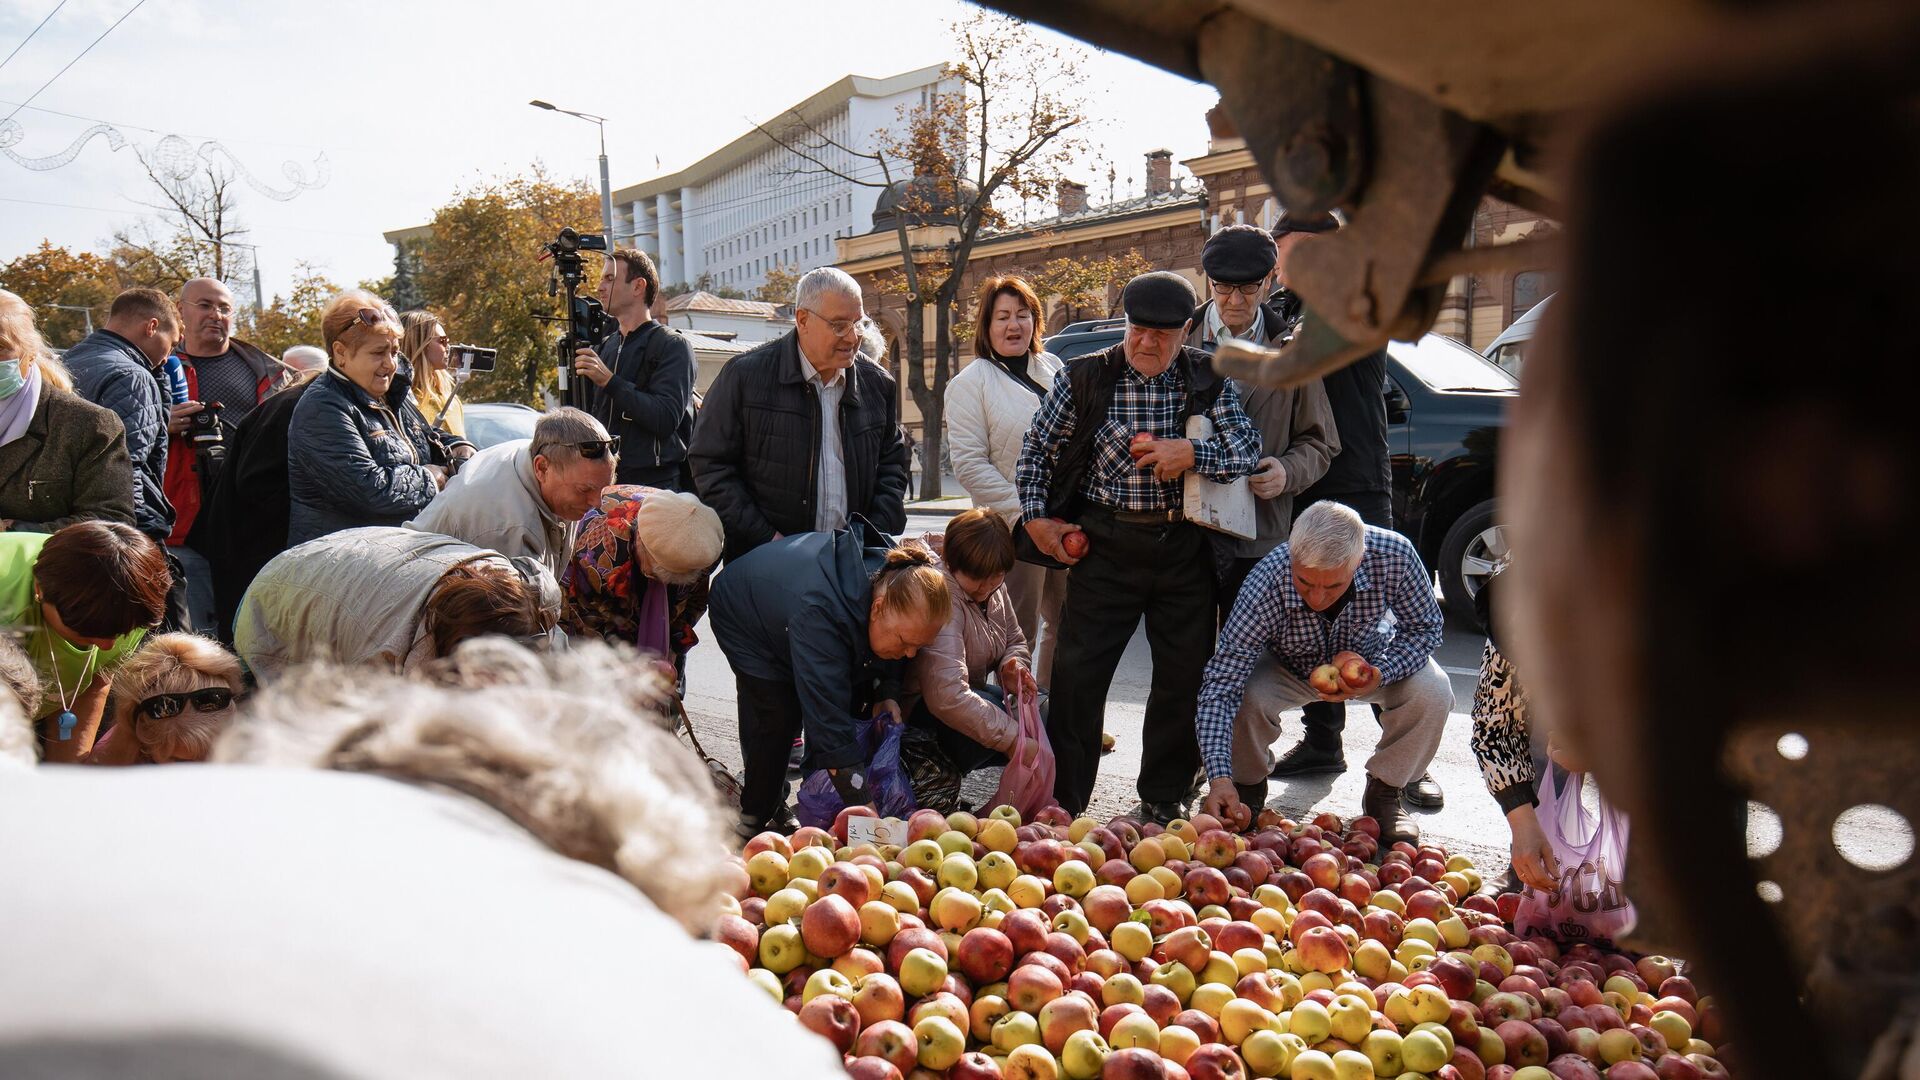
{"points": [[1161, 300], [1305, 223], [1239, 254]]}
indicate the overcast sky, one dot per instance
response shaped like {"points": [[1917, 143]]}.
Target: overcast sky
{"points": [[411, 100]]}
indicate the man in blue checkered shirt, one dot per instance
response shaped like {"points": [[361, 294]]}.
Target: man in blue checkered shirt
{"points": [[1341, 593], [1081, 472]]}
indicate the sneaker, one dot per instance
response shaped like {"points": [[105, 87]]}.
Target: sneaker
{"points": [[1382, 803], [1305, 759], [794, 755], [1425, 793]]}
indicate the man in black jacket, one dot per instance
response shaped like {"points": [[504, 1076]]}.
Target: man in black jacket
{"points": [[1360, 476], [796, 436], [642, 377], [115, 368]]}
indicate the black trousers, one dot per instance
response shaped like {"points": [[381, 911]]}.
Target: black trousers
{"points": [[769, 722], [179, 618], [1326, 720], [965, 754], [668, 477], [1165, 573], [1233, 575]]}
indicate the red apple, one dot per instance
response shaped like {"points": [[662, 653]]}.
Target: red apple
{"points": [[1134, 1063], [873, 1068], [1026, 930], [984, 955], [833, 1018], [1325, 679], [1631, 1070], [1199, 1023], [974, 1065], [1161, 1003], [1215, 1061], [1076, 544], [1525, 1045], [830, 925], [1322, 949], [1572, 1067], [1676, 1067], [1191, 946], [878, 997], [1031, 986]]}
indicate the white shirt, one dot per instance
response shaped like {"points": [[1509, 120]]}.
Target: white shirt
{"points": [[830, 486], [1217, 330]]}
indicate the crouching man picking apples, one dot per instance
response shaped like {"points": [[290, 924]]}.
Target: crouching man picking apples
{"points": [[1342, 611]]}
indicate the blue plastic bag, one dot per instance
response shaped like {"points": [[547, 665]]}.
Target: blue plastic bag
{"points": [[820, 802]]}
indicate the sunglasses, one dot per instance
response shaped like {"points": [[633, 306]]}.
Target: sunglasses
{"points": [[164, 706], [599, 448]]}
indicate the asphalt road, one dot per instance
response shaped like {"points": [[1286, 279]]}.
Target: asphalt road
{"points": [[1470, 822]]}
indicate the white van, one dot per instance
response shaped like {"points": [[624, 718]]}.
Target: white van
{"points": [[1509, 351]]}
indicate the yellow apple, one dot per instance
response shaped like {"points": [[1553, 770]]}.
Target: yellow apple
{"points": [[1074, 878], [783, 906], [808, 863], [923, 854], [1014, 1030], [1144, 887], [1177, 1043], [941, 1042], [1313, 1065], [1248, 961], [1352, 1065], [997, 835], [879, 921], [767, 872], [958, 872], [1267, 1053], [1135, 1030], [1029, 1062], [1084, 1055], [1240, 1018], [1210, 998], [1132, 940], [1028, 891], [900, 896], [921, 971]]}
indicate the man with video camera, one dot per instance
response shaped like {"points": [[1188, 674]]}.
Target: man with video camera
{"points": [[642, 377]]}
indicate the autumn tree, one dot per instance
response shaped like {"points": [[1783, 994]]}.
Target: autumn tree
{"points": [[293, 319], [1001, 128], [481, 271], [779, 285], [1085, 287], [64, 288]]}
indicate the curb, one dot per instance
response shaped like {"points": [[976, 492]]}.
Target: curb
{"points": [[953, 507]]}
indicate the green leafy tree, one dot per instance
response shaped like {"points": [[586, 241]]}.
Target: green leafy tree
{"points": [[480, 270]]}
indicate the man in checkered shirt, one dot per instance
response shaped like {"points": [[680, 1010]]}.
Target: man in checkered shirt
{"points": [[1081, 471], [1340, 590]]}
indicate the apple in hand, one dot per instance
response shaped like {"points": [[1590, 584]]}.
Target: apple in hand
{"points": [[1325, 679], [1358, 675], [1141, 442], [1075, 544]]}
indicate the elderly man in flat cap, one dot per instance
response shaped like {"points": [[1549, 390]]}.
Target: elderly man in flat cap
{"points": [[1103, 465], [1297, 436]]}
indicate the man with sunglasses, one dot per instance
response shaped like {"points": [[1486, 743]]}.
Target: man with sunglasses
{"points": [[1297, 437], [796, 436], [642, 376], [524, 497]]}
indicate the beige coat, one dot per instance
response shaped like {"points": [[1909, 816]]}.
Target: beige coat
{"points": [[977, 639]]}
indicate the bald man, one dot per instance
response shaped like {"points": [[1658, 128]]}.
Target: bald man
{"points": [[219, 368]]}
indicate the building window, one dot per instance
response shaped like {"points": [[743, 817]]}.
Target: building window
{"points": [[1529, 288]]}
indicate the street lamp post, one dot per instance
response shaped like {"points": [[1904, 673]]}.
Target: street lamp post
{"points": [[606, 190]]}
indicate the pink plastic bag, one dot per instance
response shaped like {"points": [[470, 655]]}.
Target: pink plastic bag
{"points": [[1027, 783], [1590, 902]]}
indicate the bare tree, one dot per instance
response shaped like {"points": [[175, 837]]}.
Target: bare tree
{"points": [[202, 235], [1004, 134]]}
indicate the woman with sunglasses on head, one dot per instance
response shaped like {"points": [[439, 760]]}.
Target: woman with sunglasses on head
{"points": [[85, 596], [171, 699], [359, 451]]}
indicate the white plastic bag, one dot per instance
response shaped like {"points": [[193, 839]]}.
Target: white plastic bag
{"points": [[1589, 903]]}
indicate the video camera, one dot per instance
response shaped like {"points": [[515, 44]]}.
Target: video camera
{"points": [[587, 323]]}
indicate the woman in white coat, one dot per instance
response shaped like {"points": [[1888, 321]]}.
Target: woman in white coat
{"points": [[990, 405]]}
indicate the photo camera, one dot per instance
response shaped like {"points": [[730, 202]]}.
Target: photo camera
{"points": [[473, 357]]}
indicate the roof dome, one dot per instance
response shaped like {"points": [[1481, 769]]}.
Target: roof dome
{"points": [[924, 200]]}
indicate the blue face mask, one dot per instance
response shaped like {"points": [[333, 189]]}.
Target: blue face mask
{"points": [[10, 378]]}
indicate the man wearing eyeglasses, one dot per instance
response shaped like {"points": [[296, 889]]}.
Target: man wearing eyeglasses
{"points": [[524, 497], [1297, 436], [642, 376], [796, 436], [1085, 468]]}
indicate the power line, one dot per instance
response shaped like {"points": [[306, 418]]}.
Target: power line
{"points": [[36, 30], [137, 5]]}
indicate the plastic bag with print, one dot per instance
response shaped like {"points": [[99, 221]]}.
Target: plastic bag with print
{"points": [[1589, 902]]}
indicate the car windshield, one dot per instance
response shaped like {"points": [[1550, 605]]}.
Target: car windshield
{"points": [[493, 425], [1445, 364]]}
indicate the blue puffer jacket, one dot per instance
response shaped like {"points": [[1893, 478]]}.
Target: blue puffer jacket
{"points": [[354, 460], [110, 371]]}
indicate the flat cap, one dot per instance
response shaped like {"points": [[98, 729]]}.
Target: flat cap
{"points": [[1239, 254], [1161, 300], [1305, 223]]}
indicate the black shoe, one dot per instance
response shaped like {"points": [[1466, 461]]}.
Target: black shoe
{"points": [[1161, 812], [1382, 803], [1305, 759], [748, 827], [1252, 796], [1425, 793], [1505, 883]]}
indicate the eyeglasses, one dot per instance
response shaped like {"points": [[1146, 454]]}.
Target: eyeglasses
{"points": [[1223, 290], [599, 448], [163, 706], [841, 326]]}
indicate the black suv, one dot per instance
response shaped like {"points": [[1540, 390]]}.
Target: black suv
{"points": [[1445, 408]]}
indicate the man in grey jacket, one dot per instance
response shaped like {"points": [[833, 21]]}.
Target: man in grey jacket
{"points": [[524, 497], [1297, 436], [115, 367]]}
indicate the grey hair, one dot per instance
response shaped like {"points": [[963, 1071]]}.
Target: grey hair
{"points": [[18, 705], [873, 344], [558, 434], [572, 746], [304, 358], [1328, 536], [822, 281]]}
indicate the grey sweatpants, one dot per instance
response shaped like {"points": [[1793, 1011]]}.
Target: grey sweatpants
{"points": [[1415, 717]]}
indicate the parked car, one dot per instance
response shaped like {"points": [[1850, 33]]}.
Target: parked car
{"points": [[1445, 408], [1508, 352], [493, 422]]}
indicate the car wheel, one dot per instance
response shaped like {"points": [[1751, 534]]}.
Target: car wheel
{"points": [[1473, 547]]}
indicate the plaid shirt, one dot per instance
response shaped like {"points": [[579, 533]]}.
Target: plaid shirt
{"points": [[1113, 480], [1392, 620]]}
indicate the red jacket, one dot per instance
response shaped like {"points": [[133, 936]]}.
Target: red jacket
{"points": [[183, 483]]}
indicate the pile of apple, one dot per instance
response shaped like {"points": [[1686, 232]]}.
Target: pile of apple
{"points": [[1069, 949]]}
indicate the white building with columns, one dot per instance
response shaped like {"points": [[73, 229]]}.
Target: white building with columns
{"points": [[753, 205]]}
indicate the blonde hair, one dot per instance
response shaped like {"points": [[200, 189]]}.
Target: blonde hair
{"points": [[909, 584], [574, 747], [173, 664], [342, 316], [20, 335]]}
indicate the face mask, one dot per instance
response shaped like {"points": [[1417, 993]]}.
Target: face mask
{"points": [[10, 378]]}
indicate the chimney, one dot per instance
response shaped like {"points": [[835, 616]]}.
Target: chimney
{"points": [[1073, 198], [1159, 172]]}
